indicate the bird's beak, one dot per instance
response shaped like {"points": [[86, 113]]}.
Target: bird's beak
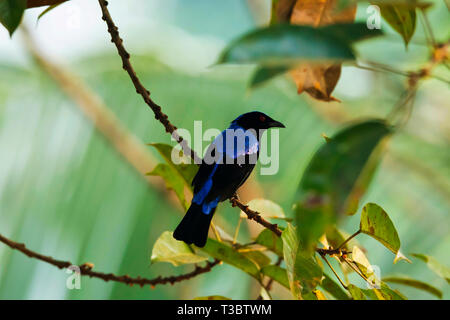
{"points": [[276, 124]]}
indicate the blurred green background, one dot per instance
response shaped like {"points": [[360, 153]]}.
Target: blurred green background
{"points": [[65, 191]]}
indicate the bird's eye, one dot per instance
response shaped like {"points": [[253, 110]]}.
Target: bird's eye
{"points": [[262, 118]]}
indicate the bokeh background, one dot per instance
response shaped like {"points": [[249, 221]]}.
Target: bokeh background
{"points": [[66, 192]]}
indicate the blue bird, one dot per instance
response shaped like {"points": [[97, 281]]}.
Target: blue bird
{"points": [[228, 162]]}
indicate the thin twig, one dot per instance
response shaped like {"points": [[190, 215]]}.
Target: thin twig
{"points": [[427, 29], [86, 269], [348, 239], [332, 269], [379, 67], [140, 89]]}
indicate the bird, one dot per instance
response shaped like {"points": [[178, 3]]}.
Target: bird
{"points": [[225, 167]]}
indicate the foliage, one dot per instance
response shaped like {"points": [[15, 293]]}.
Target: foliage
{"points": [[309, 39]]}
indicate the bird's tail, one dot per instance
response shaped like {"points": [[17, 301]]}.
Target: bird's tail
{"points": [[194, 226]]}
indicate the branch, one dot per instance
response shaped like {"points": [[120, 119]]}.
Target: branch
{"points": [[163, 118], [140, 89], [86, 269], [254, 215]]}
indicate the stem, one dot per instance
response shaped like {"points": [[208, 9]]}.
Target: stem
{"points": [[375, 66], [236, 232], [216, 233], [427, 28], [332, 269], [348, 239]]}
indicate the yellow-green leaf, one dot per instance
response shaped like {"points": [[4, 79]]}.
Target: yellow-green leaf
{"points": [[258, 257], [434, 265], [401, 18], [185, 169], [290, 249], [384, 292], [357, 293], [304, 274], [415, 284], [376, 223], [173, 181], [167, 249], [227, 254], [364, 266]]}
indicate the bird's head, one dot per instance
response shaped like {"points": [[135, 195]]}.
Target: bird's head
{"points": [[256, 120]]}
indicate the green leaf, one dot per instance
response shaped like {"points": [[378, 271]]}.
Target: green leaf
{"points": [[402, 18], [185, 169], [167, 249], [212, 298], [415, 284], [333, 288], [176, 176], [307, 270], [290, 249], [365, 267], [173, 181], [271, 241], [276, 273], [337, 177], [11, 12], [286, 45], [351, 32], [383, 293], [376, 223], [50, 8], [227, 254], [258, 257], [434, 265], [357, 293], [263, 74], [303, 272]]}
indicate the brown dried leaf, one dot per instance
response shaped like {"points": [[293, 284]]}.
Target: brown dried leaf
{"points": [[319, 13], [319, 80]]}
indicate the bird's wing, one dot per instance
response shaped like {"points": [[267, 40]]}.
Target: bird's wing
{"points": [[205, 171], [227, 179], [225, 175]]}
